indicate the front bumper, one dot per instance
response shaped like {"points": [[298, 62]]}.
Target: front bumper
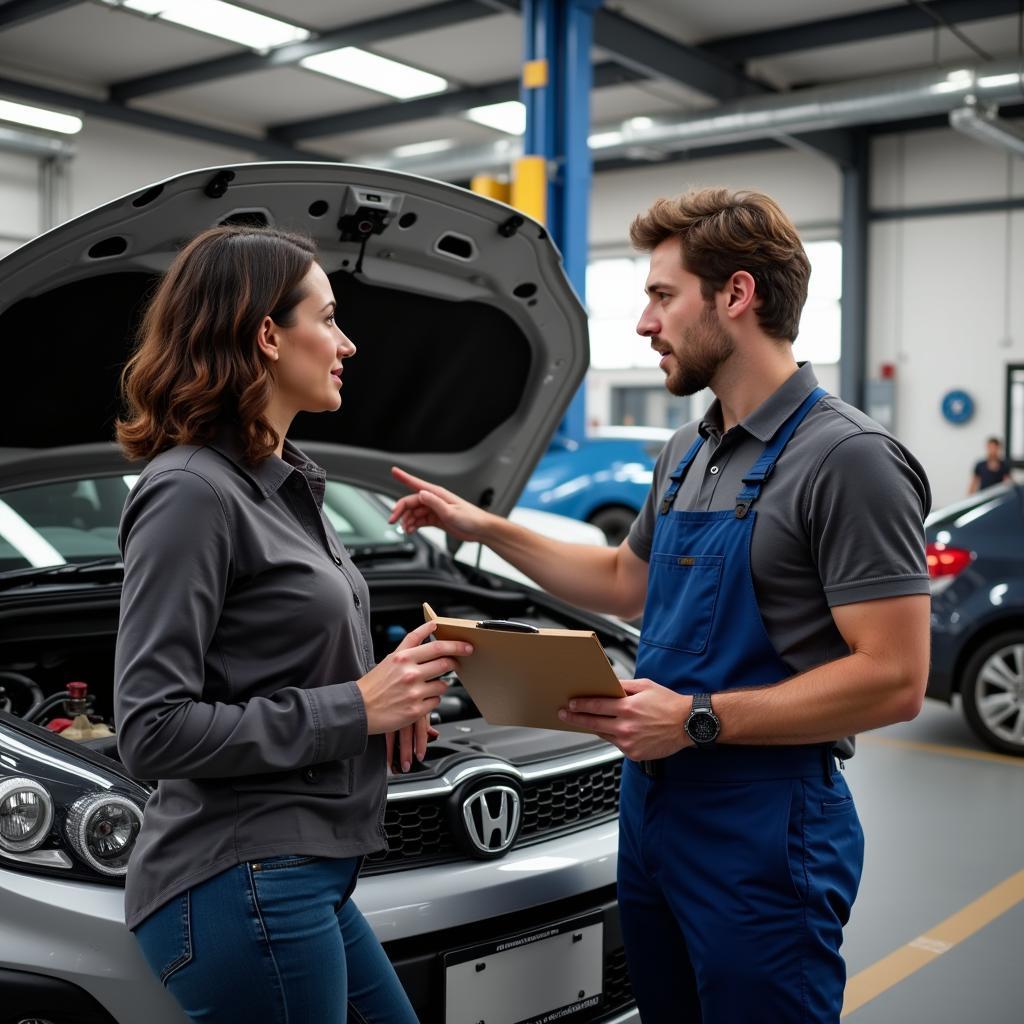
{"points": [[75, 932]]}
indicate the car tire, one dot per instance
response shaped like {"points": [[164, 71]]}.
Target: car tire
{"points": [[614, 522], [992, 690]]}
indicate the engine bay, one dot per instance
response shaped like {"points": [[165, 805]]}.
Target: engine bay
{"points": [[59, 672]]}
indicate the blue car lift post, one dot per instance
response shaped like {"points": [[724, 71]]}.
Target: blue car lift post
{"points": [[554, 174]]}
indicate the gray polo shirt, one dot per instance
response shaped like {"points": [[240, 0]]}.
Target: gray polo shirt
{"points": [[244, 626], [840, 520]]}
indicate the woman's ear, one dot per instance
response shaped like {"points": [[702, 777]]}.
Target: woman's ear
{"points": [[267, 340]]}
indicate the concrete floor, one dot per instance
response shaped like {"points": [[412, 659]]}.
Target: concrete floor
{"points": [[944, 824]]}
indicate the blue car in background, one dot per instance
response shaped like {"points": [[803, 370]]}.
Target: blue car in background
{"points": [[602, 480], [976, 564]]}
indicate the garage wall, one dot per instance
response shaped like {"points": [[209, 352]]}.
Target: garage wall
{"points": [[20, 214], [943, 308], [114, 159]]}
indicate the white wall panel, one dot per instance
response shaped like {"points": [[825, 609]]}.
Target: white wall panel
{"points": [[939, 313], [19, 200], [114, 159]]}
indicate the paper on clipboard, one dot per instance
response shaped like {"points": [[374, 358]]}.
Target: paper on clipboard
{"points": [[523, 678]]}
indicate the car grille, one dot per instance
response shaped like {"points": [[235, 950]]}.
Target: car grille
{"points": [[419, 832], [618, 992]]}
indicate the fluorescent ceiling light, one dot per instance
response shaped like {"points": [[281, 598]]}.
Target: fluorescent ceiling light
{"points": [[423, 148], [217, 18], [36, 117], [600, 140], [378, 73], [507, 117], [998, 81], [639, 123]]}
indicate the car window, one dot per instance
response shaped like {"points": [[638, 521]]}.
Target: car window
{"points": [[77, 520], [57, 523], [358, 517], [962, 512]]}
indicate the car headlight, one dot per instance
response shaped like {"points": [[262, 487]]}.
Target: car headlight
{"points": [[65, 810], [102, 828], [26, 812]]}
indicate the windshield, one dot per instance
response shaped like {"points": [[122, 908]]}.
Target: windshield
{"points": [[76, 521], [967, 509]]}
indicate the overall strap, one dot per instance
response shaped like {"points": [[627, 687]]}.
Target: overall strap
{"points": [[677, 477], [755, 477]]}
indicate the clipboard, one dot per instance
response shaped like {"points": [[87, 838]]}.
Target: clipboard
{"points": [[521, 675]]}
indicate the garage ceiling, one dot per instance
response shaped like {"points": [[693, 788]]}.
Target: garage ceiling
{"points": [[658, 58]]}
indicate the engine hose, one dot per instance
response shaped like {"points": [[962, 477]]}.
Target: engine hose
{"points": [[44, 705], [33, 689]]}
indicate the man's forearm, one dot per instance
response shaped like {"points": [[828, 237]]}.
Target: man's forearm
{"points": [[582, 574], [849, 695]]}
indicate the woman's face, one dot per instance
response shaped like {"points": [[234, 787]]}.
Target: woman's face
{"points": [[307, 371]]}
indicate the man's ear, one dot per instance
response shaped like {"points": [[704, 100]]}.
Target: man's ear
{"points": [[267, 340], [740, 294]]}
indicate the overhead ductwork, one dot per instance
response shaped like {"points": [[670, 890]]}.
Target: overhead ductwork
{"points": [[780, 116], [988, 127]]}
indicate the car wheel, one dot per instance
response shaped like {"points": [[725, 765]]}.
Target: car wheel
{"points": [[614, 522], [992, 689]]}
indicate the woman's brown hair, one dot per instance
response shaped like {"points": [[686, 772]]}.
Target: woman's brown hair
{"points": [[197, 365], [722, 232]]}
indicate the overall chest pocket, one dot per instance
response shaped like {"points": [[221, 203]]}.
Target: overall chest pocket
{"points": [[681, 601]]}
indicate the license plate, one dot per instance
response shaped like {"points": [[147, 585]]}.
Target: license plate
{"points": [[536, 977]]}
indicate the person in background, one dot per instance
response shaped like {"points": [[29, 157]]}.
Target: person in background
{"points": [[992, 470], [245, 677]]}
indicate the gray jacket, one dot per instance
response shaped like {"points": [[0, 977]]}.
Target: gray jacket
{"points": [[244, 626]]}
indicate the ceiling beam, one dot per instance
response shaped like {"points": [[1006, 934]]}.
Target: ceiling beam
{"points": [[442, 105], [18, 12], [260, 145], [364, 33], [654, 55], [854, 28]]}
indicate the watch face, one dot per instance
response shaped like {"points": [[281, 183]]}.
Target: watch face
{"points": [[702, 726]]}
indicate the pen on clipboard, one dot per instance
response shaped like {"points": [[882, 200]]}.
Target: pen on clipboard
{"points": [[507, 625]]}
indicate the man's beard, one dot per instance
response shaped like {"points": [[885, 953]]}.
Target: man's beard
{"points": [[704, 349]]}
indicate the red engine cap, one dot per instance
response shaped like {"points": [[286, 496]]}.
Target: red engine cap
{"points": [[76, 691]]}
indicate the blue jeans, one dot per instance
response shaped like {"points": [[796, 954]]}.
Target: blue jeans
{"points": [[277, 941]]}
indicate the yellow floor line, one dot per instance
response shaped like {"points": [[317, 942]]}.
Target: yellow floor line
{"points": [[938, 748], [891, 970]]}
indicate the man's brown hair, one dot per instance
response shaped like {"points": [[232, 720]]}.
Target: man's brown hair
{"points": [[197, 365], [723, 231]]}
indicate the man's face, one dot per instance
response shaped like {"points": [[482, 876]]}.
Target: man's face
{"points": [[682, 326], [995, 450]]}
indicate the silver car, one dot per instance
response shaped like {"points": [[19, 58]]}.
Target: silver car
{"points": [[496, 898]]}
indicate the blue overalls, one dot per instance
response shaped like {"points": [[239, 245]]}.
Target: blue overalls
{"points": [[738, 865]]}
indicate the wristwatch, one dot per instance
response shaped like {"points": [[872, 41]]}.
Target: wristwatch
{"points": [[702, 724]]}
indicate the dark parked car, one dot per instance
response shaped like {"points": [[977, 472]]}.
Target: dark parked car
{"points": [[462, 375], [976, 562]]}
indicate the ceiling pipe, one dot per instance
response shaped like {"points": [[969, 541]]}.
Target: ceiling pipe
{"points": [[988, 127], [779, 116]]}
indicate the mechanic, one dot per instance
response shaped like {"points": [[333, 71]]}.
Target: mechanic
{"points": [[780, 568], [245, 680]]}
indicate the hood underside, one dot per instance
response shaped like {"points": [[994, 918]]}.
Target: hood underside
{"points": [[471, 342]]}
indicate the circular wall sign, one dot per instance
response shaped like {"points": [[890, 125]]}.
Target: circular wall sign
{"points": [[957, 406]]}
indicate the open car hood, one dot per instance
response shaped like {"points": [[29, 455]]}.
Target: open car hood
{"points": [[471, 342]]}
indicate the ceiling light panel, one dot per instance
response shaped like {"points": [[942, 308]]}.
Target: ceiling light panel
{"points": [[360, 67], [509, 117], [37, 117], [217, 18]]}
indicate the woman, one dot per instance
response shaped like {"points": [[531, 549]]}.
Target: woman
{"points": [[245, 677]]}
